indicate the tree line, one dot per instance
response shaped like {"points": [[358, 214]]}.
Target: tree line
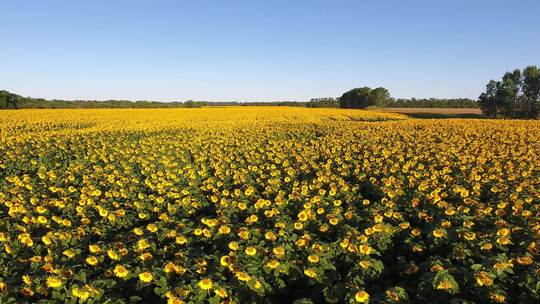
{"points": [[14, 101], [516, 95], [433, 103]]}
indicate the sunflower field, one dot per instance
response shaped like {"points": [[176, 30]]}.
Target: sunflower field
{"points": [[267, 205]]}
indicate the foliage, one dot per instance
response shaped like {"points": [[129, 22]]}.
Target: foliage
{"points": [[8, 100], [259, 205], [40, 103], [433, 103], [364, 97], [517, 95], [328, 102]]}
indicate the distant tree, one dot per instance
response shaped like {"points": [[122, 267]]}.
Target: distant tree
{"points": [[8, 99], [355, 98], [325, 102], [517, 95], [379, 97], [364, 97], [488, 99], [531, 92], [191, 104], [508, 93], [433, 103]]}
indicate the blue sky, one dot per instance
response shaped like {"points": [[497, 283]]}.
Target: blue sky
{"points": [[261, 50]]}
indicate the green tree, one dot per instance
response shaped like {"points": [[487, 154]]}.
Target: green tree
{"points": [[8, 99], [379, 97], [517, 95], [355, 98], [488, 99], [531, 92], [509, 93], [364, 97]]}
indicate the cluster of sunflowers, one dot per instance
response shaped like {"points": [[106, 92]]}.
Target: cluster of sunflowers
{"points": [[264, 204]]}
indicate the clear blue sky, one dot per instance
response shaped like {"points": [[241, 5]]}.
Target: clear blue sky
{"points": [[261, 50]]}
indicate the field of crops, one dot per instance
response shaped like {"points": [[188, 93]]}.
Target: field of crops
{"points": [[267, 205]]}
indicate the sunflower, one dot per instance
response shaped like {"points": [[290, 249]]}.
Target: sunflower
{"points": [[92, 260], [310, 272], [120, 271], [361, 296], [205, 284], [251, 251], [438, 233], [181, 240], [272, 264], [80, 293], [94, 249], [54, 282], [146, 277], [221, 292], [313, 258], [365, 249], [242, 276]]}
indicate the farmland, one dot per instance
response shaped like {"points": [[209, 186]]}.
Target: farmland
{"points": [[267, 204]]}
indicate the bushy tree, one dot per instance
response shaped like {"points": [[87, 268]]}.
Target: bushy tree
{"points": [[488, 99], [379, 97], [8, 99], [531, 92], [364, 97], [517, 95]]}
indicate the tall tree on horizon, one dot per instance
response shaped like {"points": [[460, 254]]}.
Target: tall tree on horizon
{"points": [[517, 95], [8, 99]]}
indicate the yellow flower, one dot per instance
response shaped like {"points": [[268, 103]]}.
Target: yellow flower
{"points": [[310, 272], [438, 233], [273, 264], [482, 279], [504, 240], [503, 232], [152, 227], [174, 300], [525, 260], [80, 293], [224, 230], [181, 240], [69, 253], [145, 277], [313, 258], [233, 246], [94, 249], [365, 249], [42, 220], [444, 285], [221, 292], [225, 260], [138, 231], [205, 284], [142, 245], [46, 240], [361, 296], [364, 264], [242, 276], [251, 250], [112, 255], [121, 272], [279, 251], [54, 282], [497, 297], [26, 240], [92, 260]]}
